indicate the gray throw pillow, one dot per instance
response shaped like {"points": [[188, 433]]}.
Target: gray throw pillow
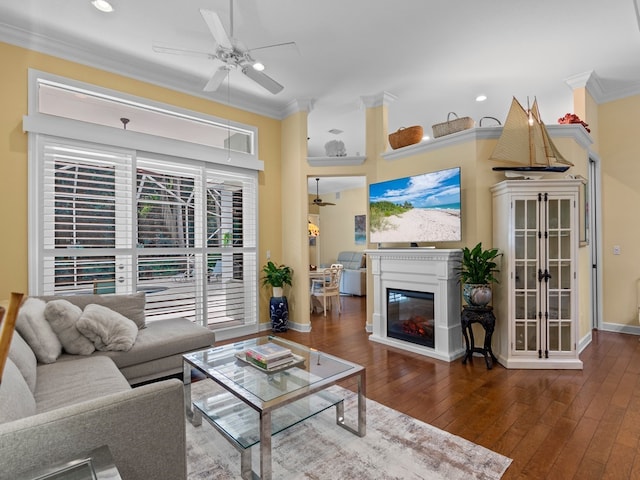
{"points": [[37, 332], [108, 330], [21, 354], [63, 316]]}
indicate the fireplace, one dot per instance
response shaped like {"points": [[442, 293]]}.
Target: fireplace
{"points": [[416, 301], [410, 316]]}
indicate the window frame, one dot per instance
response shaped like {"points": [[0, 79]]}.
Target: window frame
{"points": [[47, 128]]}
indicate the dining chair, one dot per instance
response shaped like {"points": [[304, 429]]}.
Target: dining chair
{"points": [[327, 288], [7, 326]]}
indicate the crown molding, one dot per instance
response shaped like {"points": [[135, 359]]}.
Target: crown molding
{"points": [[377, 100], [84, 54], [595, 86], [299, 105]]}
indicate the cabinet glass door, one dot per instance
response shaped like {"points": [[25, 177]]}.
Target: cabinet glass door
{"points": [[559, 328], [526, 267]]}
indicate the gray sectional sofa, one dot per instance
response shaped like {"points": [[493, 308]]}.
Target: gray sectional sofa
{"points": [[354, 275], [50, 412]]}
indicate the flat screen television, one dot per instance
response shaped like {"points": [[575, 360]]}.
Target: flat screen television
{"points": [[418, 209]]}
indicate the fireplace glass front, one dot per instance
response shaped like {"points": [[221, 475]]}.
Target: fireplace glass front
{"points": [[410, 316]]}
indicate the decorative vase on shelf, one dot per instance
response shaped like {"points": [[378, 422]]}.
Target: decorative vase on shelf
{"points": [[475, 272], [476, 295], [279, 313]]}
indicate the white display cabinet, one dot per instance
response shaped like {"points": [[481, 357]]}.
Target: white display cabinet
{"points": [[535, 226]]}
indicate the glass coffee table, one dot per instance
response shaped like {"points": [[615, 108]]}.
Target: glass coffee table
{"points": [[249, 404]]}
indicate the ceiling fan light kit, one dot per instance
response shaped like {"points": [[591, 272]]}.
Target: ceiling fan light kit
{"points": [[102, 5]]}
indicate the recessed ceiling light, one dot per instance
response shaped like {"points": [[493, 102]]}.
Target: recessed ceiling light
{"points": [[426, 137], [102, 5], [481, 98]]}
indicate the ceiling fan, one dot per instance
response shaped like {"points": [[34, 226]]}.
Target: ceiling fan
{"points": [[230, 53], [318, 201]]}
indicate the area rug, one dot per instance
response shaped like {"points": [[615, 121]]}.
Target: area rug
{"points": [[396, 446]]}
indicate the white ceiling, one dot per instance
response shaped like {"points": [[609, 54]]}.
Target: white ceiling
{"points": [[434, 57]]}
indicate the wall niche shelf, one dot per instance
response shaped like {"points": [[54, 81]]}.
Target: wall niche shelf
{"points": [[335, 161], [574, 131]]}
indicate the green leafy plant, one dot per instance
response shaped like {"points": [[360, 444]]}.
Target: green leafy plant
{"points": [[276, 275], [478, 266], [226, 239]]}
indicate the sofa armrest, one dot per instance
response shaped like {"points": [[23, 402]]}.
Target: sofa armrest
{"points": [[144, 429]]}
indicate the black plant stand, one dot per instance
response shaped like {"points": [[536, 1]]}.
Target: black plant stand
{"points": [[279, 313], [485, 317]]}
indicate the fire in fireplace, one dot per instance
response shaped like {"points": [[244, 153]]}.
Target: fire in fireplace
{"points": [[410, 316]]}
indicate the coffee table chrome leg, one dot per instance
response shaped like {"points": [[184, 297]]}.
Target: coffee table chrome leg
{"points": [[265, 445], [186, 380], [362, 405], [245, 464], [361, 429]]}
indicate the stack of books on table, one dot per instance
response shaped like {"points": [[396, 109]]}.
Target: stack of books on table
{"points": [[269, 355]]}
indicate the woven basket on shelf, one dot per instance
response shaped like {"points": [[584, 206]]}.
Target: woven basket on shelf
{"points": [[490, 118], [452, 126], [405, 136]]}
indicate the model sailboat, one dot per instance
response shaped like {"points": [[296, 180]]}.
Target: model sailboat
{"points": [[525, 145]]}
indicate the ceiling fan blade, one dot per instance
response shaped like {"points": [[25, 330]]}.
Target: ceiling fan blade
{"points": [[179, 51], [284, 44], [217, 79], [263, 80], [217, 29]]}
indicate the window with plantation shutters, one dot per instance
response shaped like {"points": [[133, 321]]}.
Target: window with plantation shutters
{"points": [[121, 221]]}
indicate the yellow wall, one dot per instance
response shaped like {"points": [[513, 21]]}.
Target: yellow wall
{"points": [[13, 153], [620, 156], [338, 223]]}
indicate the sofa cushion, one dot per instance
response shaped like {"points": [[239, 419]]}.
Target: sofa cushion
{"points": [[21, 354], [351, 260], [37, 332], [163, 338], [130, 306], [107, 329], [63, 316], [67, 383], [16, 400]]}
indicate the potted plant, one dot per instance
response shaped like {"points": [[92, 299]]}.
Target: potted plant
{"points": [[277, 276], [476, 274]]}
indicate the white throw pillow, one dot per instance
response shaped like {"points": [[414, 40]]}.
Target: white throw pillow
{"points": [[36, 331], [63, 316], [108, 330]]}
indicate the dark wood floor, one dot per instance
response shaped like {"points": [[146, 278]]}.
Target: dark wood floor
{"points": [[553, 424]]}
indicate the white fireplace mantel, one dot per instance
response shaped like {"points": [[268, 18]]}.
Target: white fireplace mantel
{"points": [[424, 270]]}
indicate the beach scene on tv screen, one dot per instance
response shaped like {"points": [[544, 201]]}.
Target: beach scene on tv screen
{"points": [[420, 208]]}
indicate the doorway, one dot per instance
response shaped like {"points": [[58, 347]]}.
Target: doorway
{"points": [[334, 204]]}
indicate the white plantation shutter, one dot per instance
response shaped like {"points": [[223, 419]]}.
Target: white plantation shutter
{"points": [[86, 216], [117, 221]]}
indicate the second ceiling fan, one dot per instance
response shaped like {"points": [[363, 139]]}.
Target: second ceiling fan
{"points": [[318, 201]]}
